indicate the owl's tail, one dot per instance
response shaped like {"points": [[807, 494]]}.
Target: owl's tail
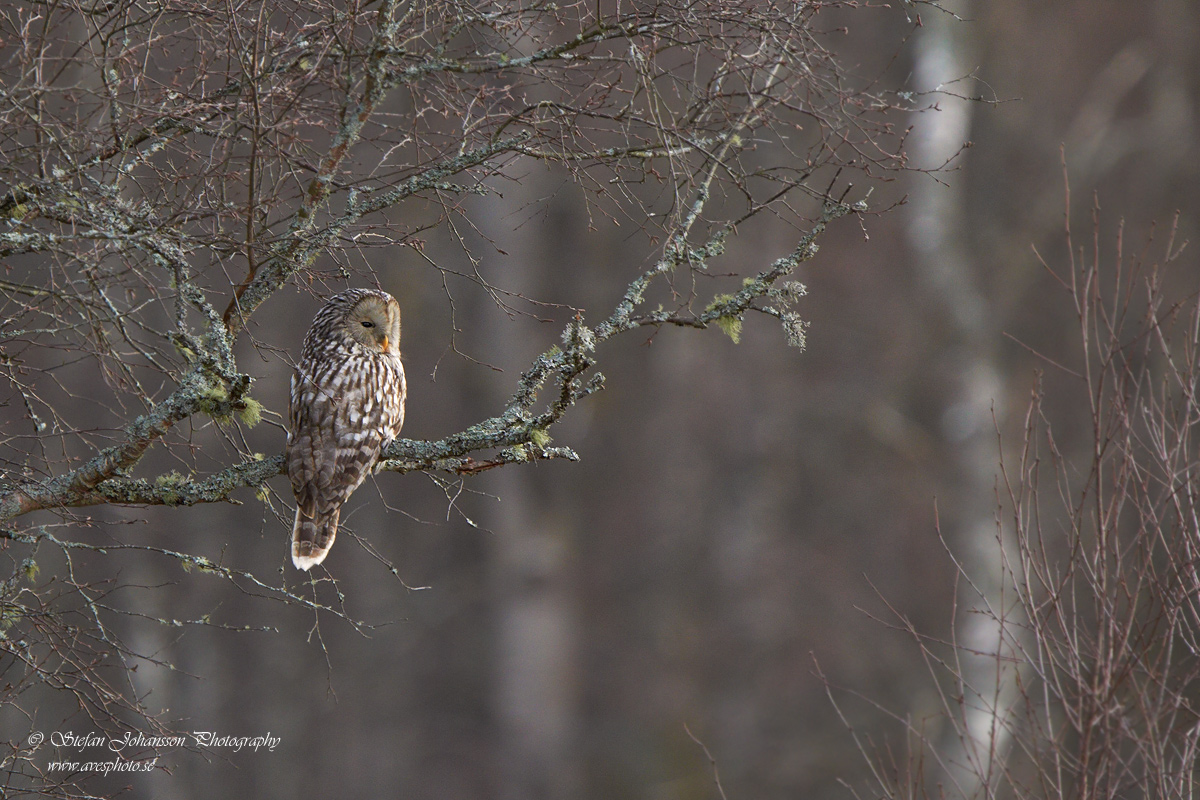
{"points": [[312, 537]]}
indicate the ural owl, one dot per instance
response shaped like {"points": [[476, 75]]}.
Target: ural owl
{"points": [[347, 403]]}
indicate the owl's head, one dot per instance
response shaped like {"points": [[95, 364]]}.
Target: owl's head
{"points": [[374, 322]]}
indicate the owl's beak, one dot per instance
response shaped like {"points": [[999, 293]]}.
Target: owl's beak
{"points": [[385, 343]]}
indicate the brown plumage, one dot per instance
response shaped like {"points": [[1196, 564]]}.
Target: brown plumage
{"points": [[347, 403]]}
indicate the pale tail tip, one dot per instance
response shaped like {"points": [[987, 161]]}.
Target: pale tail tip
{"points": [[307, 562]]}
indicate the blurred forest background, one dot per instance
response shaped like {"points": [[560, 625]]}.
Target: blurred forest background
{"points": [[741, 513]]}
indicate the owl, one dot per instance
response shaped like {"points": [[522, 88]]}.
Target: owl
{"points": [[347, 404]]}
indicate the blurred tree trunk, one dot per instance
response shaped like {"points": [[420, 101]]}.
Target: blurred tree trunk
{"points": [[966, 360], [533, 670], [533, 680]]}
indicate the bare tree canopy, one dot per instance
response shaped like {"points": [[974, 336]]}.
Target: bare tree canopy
{"points": [[168, 169]]}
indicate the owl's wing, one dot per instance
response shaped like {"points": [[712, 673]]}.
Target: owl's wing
{"points": [[312, 466], [335, 439]]}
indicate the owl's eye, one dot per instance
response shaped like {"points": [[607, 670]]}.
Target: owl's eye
{"points": [[366, 323]]}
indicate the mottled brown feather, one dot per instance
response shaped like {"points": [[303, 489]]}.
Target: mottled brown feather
{"points": [[347, 403]]}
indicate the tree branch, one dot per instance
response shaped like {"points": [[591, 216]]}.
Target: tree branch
{"points": [[518, 433]]}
